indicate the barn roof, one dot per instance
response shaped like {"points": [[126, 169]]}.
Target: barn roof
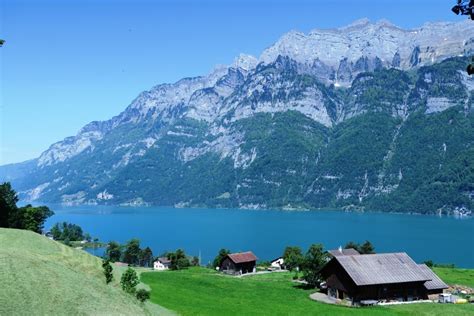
{"points": [[381, 268], [435, 282], [241, 257], [343, 252]]}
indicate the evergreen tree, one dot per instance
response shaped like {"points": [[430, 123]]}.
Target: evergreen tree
{"points": [[8, 200], [27, 217]]}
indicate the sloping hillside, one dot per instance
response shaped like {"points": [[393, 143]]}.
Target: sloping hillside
{"points": [[43, 277]]}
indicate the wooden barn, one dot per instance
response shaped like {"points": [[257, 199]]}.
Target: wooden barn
{"points": [[366, 279], [239, 263]]}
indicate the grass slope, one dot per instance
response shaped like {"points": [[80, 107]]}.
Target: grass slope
{"points": [[456, 276], [43, 277], [200, 291]]}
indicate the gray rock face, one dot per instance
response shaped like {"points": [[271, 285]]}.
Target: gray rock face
{"points": [[333, 56], [299, 73], [363, 41]]}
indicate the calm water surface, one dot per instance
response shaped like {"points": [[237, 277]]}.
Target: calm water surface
{"points": [[266, 233]]}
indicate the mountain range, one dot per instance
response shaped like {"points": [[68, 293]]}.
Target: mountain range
{"points": [[365, 117]]}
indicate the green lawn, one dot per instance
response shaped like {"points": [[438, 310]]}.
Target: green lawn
{"points": [[456, 276], [39, 276], [200, 291]]}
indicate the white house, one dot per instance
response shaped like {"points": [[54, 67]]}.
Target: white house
{"points": [[161, 264], [277, 263]]}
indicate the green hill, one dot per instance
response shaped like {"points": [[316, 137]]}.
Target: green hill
{"points": [[42, 277]]}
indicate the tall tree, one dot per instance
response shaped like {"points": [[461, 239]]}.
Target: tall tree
{"points": [[27, 217], [220, 256], [292, 257], [114, 251], [146, 257], [314, 260], [131, 255], [8, 200]]}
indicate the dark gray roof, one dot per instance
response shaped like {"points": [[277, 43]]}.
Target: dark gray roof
{"points": [[381, 268], [435, 282], [164, 260], [344, 252]]}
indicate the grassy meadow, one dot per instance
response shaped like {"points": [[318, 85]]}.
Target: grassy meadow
{"points": [[39, 276], [200, 291], [454, 276]]}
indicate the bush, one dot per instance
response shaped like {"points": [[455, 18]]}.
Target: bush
{"points": [[129, 281], [107, 271], [143, 295]]}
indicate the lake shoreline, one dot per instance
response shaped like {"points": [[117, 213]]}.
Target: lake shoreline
{"points": [[257, 209], [268, 232]]}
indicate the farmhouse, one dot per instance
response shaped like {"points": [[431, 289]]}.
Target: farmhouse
{"points": [[161, 264], [365, 279], [239, 263]]}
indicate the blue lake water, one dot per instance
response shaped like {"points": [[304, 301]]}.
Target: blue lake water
{"points": [[267, 233]]}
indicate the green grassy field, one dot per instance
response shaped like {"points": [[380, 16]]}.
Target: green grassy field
{"points": [[456, 276], [39, 276], [200, 291]]}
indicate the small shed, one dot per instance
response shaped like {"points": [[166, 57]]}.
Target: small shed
{"points": [[161, 264], [239, 263]]}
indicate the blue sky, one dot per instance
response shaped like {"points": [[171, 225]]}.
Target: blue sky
{"points": [[66, 63]]}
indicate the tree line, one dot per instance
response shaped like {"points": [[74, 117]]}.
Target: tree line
{"points": [[132, 254], [27, 217]]}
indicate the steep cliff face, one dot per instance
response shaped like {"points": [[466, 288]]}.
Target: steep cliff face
{"points": [[367, 116], [338, 55]]}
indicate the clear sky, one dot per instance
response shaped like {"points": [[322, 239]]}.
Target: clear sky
{"points": [[66, 63]]}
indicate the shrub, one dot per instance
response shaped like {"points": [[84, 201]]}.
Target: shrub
{"points": [[143, 295], [129, 281]]}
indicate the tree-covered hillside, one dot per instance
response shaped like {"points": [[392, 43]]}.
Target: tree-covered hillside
{"points": [[276, 137]]}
